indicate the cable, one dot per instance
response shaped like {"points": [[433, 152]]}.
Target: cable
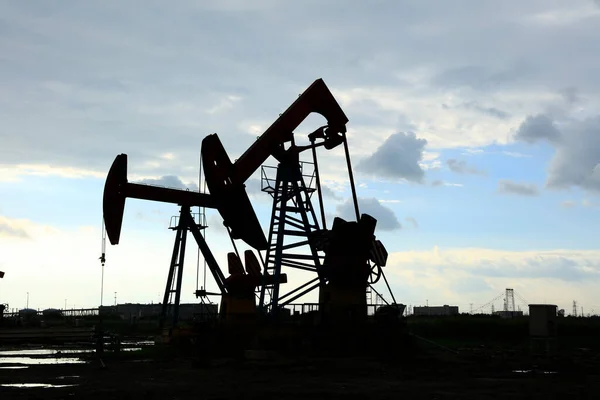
{"points": [[489, 302], [522, 299], [204, 234], [102, 261], [199, 218]]}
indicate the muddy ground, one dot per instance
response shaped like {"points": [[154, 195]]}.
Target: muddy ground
{"points": [[433, 373]]}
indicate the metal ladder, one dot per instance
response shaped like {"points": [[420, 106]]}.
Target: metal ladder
{"points": [[292, 216]]}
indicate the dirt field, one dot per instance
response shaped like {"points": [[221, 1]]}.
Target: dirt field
{"points": [[433, 374]]}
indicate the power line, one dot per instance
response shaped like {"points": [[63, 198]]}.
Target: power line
{"points": [[489, 302]]}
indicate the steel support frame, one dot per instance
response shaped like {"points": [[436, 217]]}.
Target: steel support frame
{"points": [[289, 187], [176, 267], [186, 223]]}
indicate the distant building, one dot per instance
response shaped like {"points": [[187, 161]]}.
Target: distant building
{"points": [[435, 310], [509, 314]]}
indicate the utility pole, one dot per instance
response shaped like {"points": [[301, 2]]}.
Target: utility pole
{"points": [[574, 313], [471, 308], [115, 298], [27, 306]]}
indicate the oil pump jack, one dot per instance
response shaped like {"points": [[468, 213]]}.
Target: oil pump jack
{"points": [[346, 259], [244, 223]]}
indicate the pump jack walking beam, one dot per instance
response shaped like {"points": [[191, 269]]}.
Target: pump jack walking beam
{"points": [[117, 189]]}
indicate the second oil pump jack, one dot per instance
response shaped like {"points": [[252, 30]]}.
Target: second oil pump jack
{"points": [[342, 262]]}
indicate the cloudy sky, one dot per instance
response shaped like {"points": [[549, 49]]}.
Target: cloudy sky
{"points": [[473, 130]]}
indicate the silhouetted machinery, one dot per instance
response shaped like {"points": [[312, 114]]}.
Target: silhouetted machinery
{"points": [[342, 262]]}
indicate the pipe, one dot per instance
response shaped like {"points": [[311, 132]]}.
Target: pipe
{"points": [[314, 152], [354, 198], [388, 286]]}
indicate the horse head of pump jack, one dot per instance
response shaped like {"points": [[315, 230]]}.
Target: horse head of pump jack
{"points": [[117, 189], [224, 179]]}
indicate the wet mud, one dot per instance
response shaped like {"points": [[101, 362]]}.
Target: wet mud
{"points": [[434, 374]]}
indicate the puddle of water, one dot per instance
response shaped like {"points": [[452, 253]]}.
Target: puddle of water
{"points": [[132, 349], [34, 385], [15, 367], [529, 371], [42, 352], [79, 351], [36, 352], [138, 342], [31, 361]]}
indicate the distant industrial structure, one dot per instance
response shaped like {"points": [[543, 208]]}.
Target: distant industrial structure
{"points": [[436, 311], [508, 314], [127, 311], [133, 311]]}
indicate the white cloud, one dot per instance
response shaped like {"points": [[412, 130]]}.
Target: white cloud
{"points": [[225, 104], [168, 156], [65, 264], [430, 161], [554, 276], [515, 154], [559, 17], [473, 151], [439, 182], [589, 203], [170, 181], [412, 221], [18, 228], [14, 173]]}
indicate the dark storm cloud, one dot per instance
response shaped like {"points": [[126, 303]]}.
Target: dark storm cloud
{"points": [[83, 82], [523, 189], [328, 192], [576, 161], [386, 218], [397, 158], [461, 167], [571, 95], [492, 111], [536, 128]]}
